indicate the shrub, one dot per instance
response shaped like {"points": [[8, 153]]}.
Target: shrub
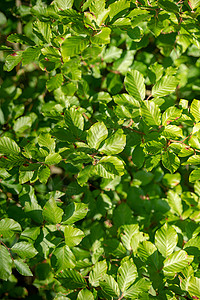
{"points": [[99, 146]]}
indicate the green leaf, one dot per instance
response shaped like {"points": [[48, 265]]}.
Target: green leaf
{"points": [[53, 159], [140, 286], [128, 232], [73, 236], [166, 239], [12, 61], [194, 287], [192, 160], [134, 83], [168, 6], [71, 279], [172, 113], [20, 38], [22, 267], [96, 134], [172, 131], [165, 86], [22, 124], [9, 227], [43, 31], [195, 109], [109, 167], [43, 174], [73, 45], [102, 37], [194, 175], [97, 8], [30, 55], [151, 113], [54, 82], [194, 4], [74, 120], [97, 273], [8, 146], [24, 249], [126, 275], [176, 262], [51, 212], [85, 294], [63, 258], [75, 212], [63, 4], [114, 144], [147, 251], [110, 286], [170, 161], [175, 202], [85, 174], [138, 156], [5, 263], [118, 7]]}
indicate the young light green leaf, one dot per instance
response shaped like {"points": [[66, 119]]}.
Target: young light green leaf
{"points": [[63, 258], [97, 8], [85, 174], [194, 175], [8, 146], [109, 167], [166, 85], [194, 287], [172, 113], [71, 279], [140, 286], [97, 273], [170, 161], [24, 249], [75, 212], [53, 159], [176, 262], [110, 286], [8, 227], [22, 267], [126, 275], [73, 236], [20, 38], [194, 4], [96, 134], [114, 144], [102, 37], [63, 4], [22, 124], [148, 252], [172, 132], [85, 294], [12, 60], [51, 212], [134, 83], [30, 55], [195, 109], [43, 174], [166, 239], [192, 160], [175, 202], [54, 82], [73, 45], [150, 112], [5, 263], [118, 7]]}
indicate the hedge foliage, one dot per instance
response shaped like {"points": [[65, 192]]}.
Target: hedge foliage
{"points": [[100, 149]]}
